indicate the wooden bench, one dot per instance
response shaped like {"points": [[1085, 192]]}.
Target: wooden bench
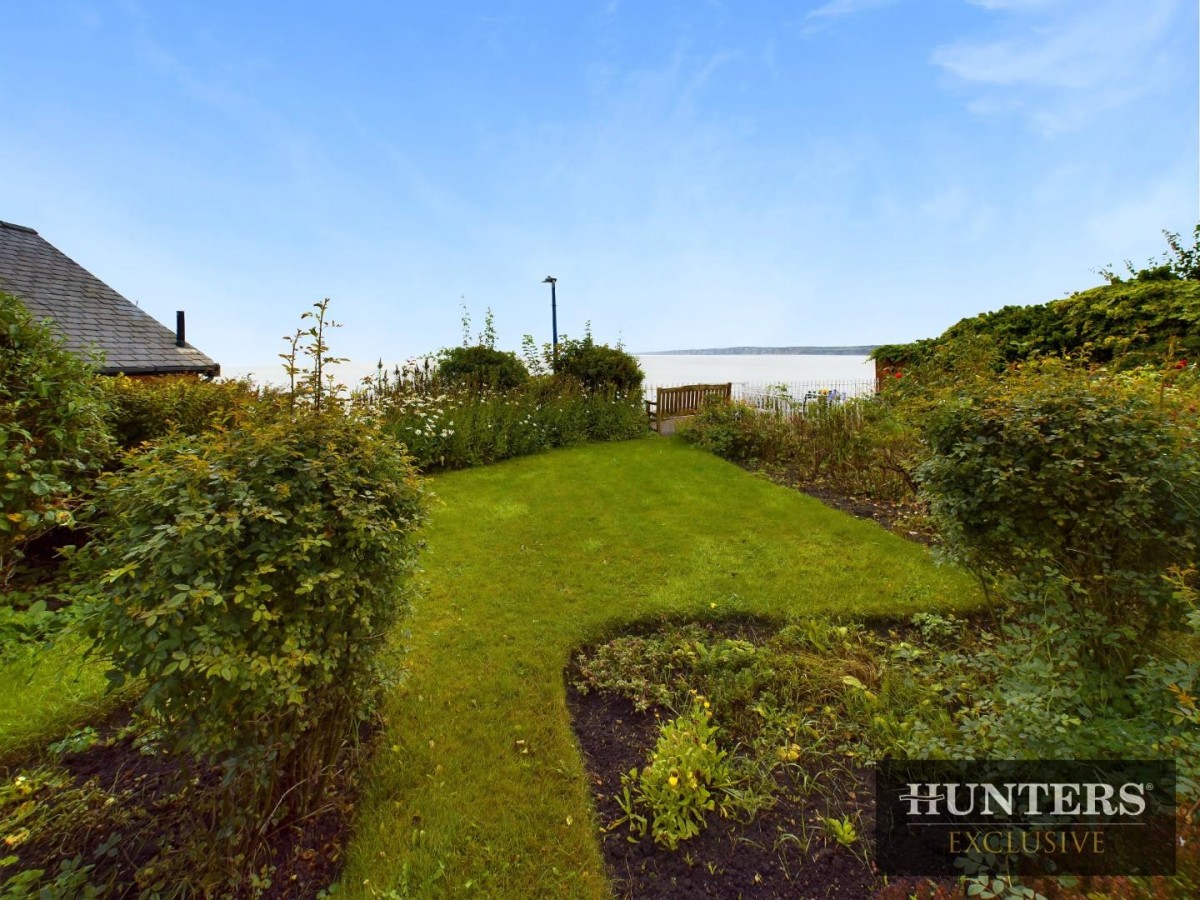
{"points": [[686, 400]]}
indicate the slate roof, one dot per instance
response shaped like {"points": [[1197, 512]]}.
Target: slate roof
{"points": [[87, 312]]}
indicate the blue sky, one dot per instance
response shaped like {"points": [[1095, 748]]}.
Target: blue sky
{"points": [[694, 173]]}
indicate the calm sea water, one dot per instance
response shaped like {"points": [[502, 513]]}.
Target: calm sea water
{"points": [[665, 371], [764, 369]]}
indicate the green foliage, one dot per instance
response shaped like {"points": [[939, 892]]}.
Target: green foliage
{"points": [[841, 830], [598, 367], [44, 806], [480, 405], [1082, 485], [640, 669], [1184, 260], [866, 445], [811, 682], [452, 427], [683, 782], [1033, 688], [1077, 496], [737, 431], [1127, 323], [146, 409], [252, 576], [52, 432], [482, 366], [1181, 264], [478, 364], [860, 446]]}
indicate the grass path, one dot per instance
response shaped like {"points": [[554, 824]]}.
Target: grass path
{"points": [[48, 690], [478, 786]]}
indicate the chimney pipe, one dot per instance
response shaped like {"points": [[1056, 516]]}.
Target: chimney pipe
{"points": [[179, 330]]}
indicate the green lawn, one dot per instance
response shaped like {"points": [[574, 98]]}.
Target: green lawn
{"points": [[46, 691], [532, 558]]}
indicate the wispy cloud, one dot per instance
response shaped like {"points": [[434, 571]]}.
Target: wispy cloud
{"points": [[836, 8], [820, 17], [1061, 63], [1016, 5]]}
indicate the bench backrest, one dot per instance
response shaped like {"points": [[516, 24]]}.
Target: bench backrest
{"points": [[689, 398]]}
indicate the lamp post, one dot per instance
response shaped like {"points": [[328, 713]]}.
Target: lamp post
{"points": [[551, 280]]}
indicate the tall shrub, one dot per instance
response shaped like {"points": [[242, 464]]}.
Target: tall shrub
{"points": [[52, 430], [482, 366], [598, 366], [739, 432], [1085, 487], [252, 577], [145, 409]]}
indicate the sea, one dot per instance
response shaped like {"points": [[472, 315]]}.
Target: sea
{"points": [[748, 372], [759, 370]]}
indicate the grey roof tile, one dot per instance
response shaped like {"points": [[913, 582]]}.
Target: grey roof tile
{"points": [[87, 312]]}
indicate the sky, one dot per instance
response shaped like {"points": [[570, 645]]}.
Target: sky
{"points": [[696, 173]]}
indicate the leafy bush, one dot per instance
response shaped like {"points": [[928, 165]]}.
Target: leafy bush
{"points": [[482, 366], [1077, 496], [252, 577], [145, 409], [598, 366], [52, 432], [860, 446], [1083, 486], [865, 445], [1126, 323], [738, 432]]}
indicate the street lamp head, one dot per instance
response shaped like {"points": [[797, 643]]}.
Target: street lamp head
{"points": [[549, 279]]}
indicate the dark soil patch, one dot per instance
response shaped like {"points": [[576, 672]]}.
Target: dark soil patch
{"points": [[132, 811], [904, 518], [765, 858]]}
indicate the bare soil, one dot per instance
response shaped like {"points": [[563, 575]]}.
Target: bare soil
{"points": [[764, 858], [154, 819]]}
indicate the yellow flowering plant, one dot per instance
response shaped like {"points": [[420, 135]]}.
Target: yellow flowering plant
{"points": [[687, 777]]}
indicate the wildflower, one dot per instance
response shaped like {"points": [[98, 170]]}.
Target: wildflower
{"points": [[673, 781]]}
